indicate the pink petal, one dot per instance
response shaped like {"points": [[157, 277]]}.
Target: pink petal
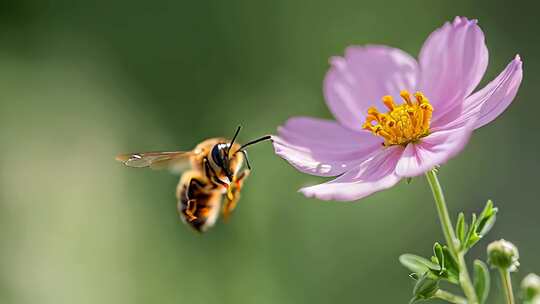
{"points": [[452, 62], [488, 103], [373, 175], [322, 147], [434, 149], [498, 94], [363, 77]]}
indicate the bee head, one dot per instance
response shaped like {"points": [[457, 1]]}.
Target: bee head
{"points": [[226, 162], [221, 162]]}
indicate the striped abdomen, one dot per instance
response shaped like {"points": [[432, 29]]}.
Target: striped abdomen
{"points": [[199, 202]]}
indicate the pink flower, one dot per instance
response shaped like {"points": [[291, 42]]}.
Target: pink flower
{"points": [[370, 150]]}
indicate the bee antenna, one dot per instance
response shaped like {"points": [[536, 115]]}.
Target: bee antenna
{"points": [[246, 157], [234, 137], [267, 137]]}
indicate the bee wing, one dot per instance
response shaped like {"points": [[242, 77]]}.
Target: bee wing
{"points": [[174, 161]]}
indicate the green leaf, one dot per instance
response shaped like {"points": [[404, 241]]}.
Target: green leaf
{"points": [[452, 267], [481, 280], [487, 218], [425, 287], [488, 209], [417, 264], [473, 240], [472, 237], [480, 226], [487, 225], [438, 252], [460, 227]]}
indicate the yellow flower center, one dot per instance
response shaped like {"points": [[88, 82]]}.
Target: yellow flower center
{"points": [[402, 124]]}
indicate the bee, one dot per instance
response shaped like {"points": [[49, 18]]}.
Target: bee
{"points": [[215, 177]]}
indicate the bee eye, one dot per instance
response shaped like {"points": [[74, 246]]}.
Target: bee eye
{"points": [[217, 156], [224, 154]]}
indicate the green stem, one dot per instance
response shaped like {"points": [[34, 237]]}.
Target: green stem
{"points": [[507, 285], [449, 297], [450, 236]]}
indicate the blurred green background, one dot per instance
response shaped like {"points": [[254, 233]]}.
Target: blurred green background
{"points": [[81, 81]]}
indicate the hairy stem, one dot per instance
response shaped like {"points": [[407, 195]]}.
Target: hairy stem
{"points": [[507, 285], [449, 297], [450, 236]]}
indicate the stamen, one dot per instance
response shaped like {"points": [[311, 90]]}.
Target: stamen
{"points": [[428, 110], [371, 118], [402, 124], [406, 96], [388, 102], [381, 132], [368, 126], [372, 111], [420, 98], [411, 112], [419, 117], [383, 118]]}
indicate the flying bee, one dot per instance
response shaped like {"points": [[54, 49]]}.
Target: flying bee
{"points": [[216, 174]]}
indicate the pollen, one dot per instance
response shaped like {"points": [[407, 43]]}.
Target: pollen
{"points": [[401, 124]]}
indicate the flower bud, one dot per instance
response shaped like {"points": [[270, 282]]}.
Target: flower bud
{"points": [[530, 287], [503, 254]]}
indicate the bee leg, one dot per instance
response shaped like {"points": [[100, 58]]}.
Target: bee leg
{"points": [[229, 206], [241, 177], [208, 169], [198, 185], [233, 194], [190, 210], [194, 186]]}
